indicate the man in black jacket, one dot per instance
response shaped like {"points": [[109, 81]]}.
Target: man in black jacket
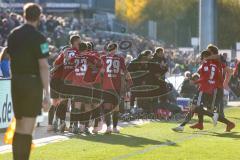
{"points": [[189, 89], [159, 60]]}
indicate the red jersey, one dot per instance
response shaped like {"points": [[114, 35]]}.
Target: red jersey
{"points": [[220, 66], [208, 77], [113, 65], [65, 63], [56, 72], [85, 71], [93, 67], [94, 53]]}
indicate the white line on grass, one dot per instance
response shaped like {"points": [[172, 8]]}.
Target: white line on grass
{"points": [[151, 148], [168, 143], [59, 138]]}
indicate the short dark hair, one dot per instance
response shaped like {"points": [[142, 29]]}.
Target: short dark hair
{"points": [[111, 47], [212, 48], [32, 11], [73, 38], [195, 76], [204, 54], [159, 49], [83, 47], [145, 53], [90, 46]]}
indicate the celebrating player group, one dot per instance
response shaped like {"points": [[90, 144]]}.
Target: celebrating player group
{"points": [[90, 82], [214, 76]]}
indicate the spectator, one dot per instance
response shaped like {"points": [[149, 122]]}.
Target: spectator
{"points": [[237, 70], [159, 57], [188, 87], [128, 59], [5, 28], [15, 21], [5, 64], [224, 57], [177, 69]]}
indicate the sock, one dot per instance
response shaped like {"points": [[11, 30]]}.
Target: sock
{"points": [[201, 111], [132, 99], [96, 116], [96, 122], [82, 115], [96, 113], [86, 124], [187, 119], [115, 118], [51, 113], [21, 146], [75, 123], [200, 118], [107, 117], [86, 119], [61, 111], [63, 115], [73, 117], [71, 123], [222, 119]]}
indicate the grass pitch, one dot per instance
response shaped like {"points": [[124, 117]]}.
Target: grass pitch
{"points": [[153, 141]]}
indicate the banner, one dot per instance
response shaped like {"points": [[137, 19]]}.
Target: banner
{"points": [[6, 110]]}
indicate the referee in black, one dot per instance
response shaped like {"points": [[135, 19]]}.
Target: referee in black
{"points": [[28, 52]]}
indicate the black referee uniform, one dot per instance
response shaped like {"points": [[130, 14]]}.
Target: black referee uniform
{"points": [[28, 50], [25, 46]]}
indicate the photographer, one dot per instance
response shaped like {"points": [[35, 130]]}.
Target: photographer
{"points": [[188, 87]]}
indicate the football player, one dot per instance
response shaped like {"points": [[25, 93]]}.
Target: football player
{"points": [[113, 68], [63, 65]]}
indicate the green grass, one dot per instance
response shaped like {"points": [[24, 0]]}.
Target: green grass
{"points": [[153, 141]]}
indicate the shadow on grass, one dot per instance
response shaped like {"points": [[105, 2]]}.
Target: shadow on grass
{"points": [[235, 135], [125, 140], [193, 121]]}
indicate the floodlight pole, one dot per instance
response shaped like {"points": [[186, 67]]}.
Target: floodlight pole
{"points": [[207, 23]]}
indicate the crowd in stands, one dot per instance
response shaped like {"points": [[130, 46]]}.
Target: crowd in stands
{"points": [[58, 29], [54, 27]]}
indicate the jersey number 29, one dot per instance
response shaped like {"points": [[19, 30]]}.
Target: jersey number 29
{"points": [[113, 66]]}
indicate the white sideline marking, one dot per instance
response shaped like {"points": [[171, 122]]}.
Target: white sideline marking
{"points": [[59, 138], [151, 148], [38, 142]]}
